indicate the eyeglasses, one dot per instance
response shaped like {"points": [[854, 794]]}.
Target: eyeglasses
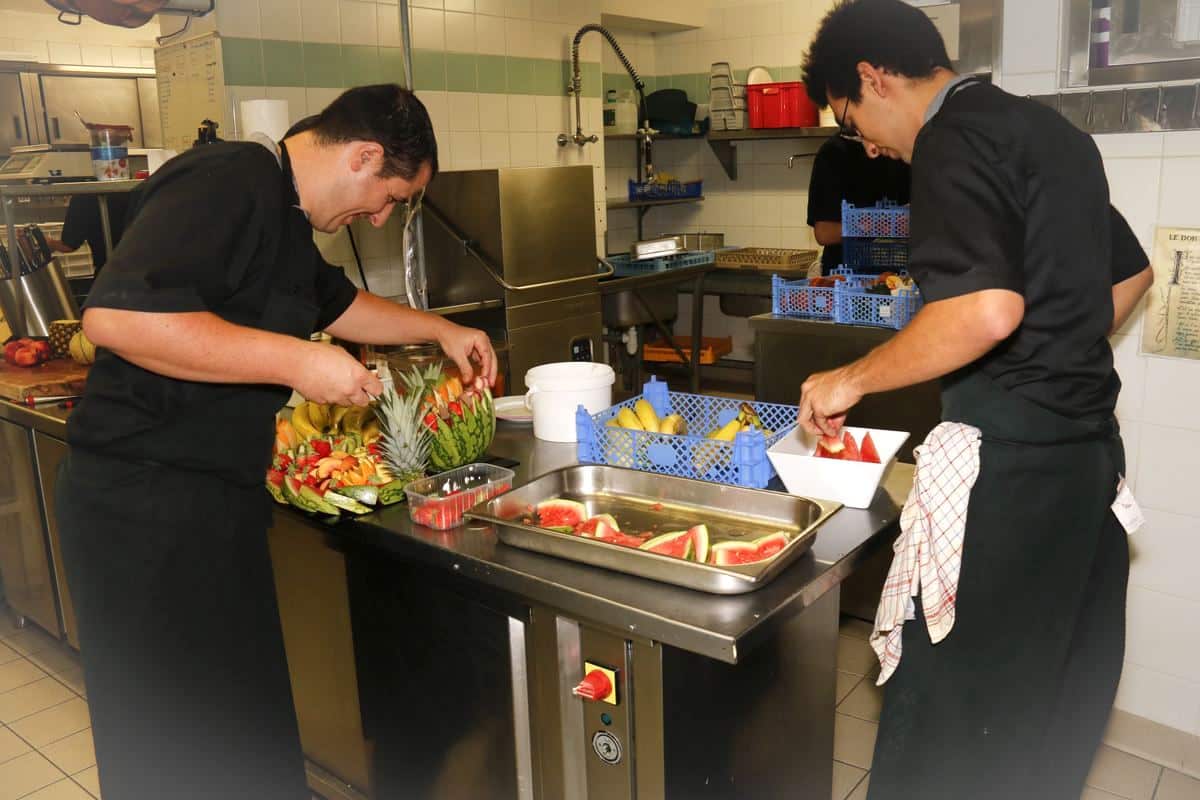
{"points": [[411, 206], [848, 132]]}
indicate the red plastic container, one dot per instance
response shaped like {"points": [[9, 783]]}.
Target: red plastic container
{"points": [[780, 105]]}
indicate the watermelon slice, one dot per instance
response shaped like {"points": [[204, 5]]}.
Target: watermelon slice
{"points": [[851, 453], [677, 544], [770, 546], [561, 515], [728, 554], [605, 531], [869, 453], [699, 534], [624, 540], [829, 447], [588, 528]]}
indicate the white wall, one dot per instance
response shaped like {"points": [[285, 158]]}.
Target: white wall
{"points": [[37, 35], [1153, 179]]}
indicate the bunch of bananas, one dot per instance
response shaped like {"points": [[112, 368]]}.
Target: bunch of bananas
{"points": [[709, 455], [314, 420], [644, 418]]}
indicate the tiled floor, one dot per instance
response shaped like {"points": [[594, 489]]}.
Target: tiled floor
{"points": [[46, 742], [1115, 775]]}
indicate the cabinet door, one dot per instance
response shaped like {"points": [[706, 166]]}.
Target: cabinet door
{"points": [[50, 453], [109, 100], [13, 131], [24, 558]]}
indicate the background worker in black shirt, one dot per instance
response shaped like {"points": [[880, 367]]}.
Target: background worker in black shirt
{"points": [[843, 171], [82, 225], [1025, 269], [203, 317]]}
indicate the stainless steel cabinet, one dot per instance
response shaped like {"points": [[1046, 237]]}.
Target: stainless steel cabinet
{"points": [[24, 556], [13, 129], [108, 100], [49, 453]]}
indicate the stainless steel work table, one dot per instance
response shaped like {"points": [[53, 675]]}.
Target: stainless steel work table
{"points": [[715, 626]]}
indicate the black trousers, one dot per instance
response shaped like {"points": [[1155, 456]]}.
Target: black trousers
{"points": [[179, 630], [1013, 703]]}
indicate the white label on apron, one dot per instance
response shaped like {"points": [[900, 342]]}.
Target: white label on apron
{"points": [[1126, 507]]}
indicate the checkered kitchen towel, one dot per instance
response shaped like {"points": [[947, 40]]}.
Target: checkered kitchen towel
{"points": [[928, 553]]}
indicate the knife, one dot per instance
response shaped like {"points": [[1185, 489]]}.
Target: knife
{"points": [[43, 246], [24, 251], [5, 263]]}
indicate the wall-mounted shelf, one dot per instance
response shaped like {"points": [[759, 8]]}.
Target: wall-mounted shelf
{"points": [[614, 203], [723, 143]]}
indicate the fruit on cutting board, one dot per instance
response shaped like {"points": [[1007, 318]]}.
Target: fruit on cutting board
{"points": [[27, 352], [560, 515], [462, 419], [81, 348]]}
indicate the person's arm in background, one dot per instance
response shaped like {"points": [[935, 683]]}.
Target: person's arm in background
{"points": [[1132, 274], [827, 233]]}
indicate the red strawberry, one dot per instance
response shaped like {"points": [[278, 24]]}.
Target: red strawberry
{"points": [[322, 447], [869, 453]]}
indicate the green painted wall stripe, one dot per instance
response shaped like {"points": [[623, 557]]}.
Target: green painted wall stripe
{"points": [[272, 62]]}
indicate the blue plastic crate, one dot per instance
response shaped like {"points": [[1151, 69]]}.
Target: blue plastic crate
{"points": [[742, 462], [884, 219], [876, 255], [801, 299], [624, 264], [665, 191], [853, 305]]}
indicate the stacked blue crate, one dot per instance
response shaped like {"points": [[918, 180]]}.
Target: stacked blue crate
{"points": [[875, 239]]}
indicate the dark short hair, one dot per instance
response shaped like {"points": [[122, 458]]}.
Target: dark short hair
{"points": [[888, 34], [387, 114]]}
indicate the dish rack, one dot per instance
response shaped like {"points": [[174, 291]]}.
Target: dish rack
{"points": [[672, 190], [741, 462], [760, 257], [624, 264], [884, 219], [847, 301]]}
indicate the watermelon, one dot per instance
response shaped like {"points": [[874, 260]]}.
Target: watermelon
{"points": [[561, 515], [869, 453], [624, 540], [699, 534], [725, 554], [463, 421], [589, 527], [677, 544], [829, 447], [851, 452]]}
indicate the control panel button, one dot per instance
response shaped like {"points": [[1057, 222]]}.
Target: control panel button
{"points": [[596, 686]]}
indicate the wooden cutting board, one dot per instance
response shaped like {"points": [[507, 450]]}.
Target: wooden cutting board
{"points": [[55, 377]]}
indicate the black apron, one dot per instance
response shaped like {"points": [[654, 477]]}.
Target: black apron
{"points": [[180, 636], [1013, 703]]}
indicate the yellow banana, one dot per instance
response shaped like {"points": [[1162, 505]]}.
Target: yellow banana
{"points": [[627, 419], [673, 424], [726, 432], [337, 414], [354, 418], [318, 415], [612, 423], [646, 416], [303, 425], [370, 431]]}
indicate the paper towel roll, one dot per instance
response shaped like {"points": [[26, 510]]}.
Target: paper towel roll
{"points": [[265, 116]]}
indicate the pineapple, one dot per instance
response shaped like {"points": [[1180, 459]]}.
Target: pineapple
{"points": [[405, 441]]}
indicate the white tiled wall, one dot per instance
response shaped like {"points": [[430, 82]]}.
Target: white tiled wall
{"points": [[1152, 180], [36, 35]]}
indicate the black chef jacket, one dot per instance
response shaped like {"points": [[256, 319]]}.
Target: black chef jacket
{"points": [[1007, 194], [83, 224], [843, 171], [217, 229]]}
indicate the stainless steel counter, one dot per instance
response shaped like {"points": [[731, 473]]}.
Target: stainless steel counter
{"points": [[719, 627]]}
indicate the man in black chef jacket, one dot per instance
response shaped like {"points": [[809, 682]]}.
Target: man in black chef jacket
{"points": [[1025, 269], [842, 170], [203, 317]]}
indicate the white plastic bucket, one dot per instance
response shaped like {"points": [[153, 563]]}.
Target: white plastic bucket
{"points": [[556, 390]]}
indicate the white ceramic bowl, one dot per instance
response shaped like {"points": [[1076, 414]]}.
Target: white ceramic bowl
{"points": [[758, 75], [852, 483]]}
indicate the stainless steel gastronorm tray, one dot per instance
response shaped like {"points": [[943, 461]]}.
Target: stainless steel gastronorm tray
{"points": [[641, 501]]}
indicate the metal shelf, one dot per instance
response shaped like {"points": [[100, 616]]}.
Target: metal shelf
{"points": [[629, 137], [613, 203], [723, 143]]}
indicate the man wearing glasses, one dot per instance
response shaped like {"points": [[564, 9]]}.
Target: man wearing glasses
{"points": [[203, 317], [1025, 269]]}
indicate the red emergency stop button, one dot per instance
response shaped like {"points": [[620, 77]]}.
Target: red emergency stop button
{"points": [[597, 686]]}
